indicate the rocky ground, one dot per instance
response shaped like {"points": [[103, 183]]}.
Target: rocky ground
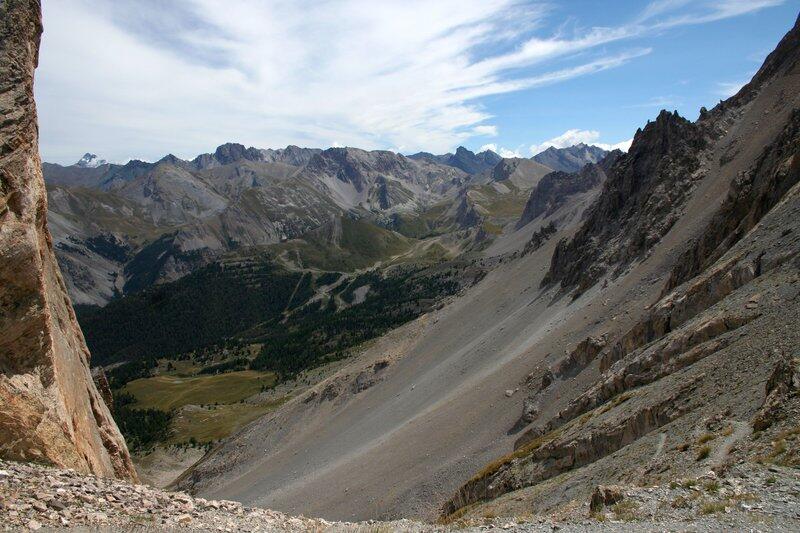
{"points": [[35, 497], [746, 497]]}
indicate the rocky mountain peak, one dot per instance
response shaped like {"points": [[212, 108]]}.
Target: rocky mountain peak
{"points": [[667, 134], [232, 152], [473, 163], [571, 158], [645, 189], [90, 161], [226, 154], [172, 160], [354, 166]]}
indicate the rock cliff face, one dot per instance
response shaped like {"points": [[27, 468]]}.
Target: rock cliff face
{"points": [[50, 409], [556, 188], [642, 199]]}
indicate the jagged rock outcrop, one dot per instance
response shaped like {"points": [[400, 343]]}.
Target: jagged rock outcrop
{"points": [[561, 450], [641, 200], [539, 237], [605, 495], [227, 153], [785, 379], [50, 410], [463, 159], [750, 197]]}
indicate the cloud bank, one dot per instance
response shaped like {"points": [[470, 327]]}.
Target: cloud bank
{"points": [[136, 78], [576, 136]]}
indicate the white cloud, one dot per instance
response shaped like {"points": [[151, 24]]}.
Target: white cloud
{"points": [[577, 136], [622, 145], [671, 13], [499, 150], [125, 77], [489, 131]]}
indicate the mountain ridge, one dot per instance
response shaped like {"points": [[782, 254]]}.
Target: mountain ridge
{"points": [[570, 158]]}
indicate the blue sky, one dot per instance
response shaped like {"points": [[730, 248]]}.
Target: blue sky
{"points": [[139, 79]]}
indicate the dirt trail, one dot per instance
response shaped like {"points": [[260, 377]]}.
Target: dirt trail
{"points": [[740, 431]]}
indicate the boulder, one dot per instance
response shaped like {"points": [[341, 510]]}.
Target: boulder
{"points": [[785, 378], [605, 495]]}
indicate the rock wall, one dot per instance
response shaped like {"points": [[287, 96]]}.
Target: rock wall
{"points": [[50, 410]]}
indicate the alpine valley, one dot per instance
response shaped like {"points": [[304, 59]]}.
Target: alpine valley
{"points": [[585, 339]]}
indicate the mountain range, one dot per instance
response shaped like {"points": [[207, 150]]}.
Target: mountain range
{"points": [[424, 343], [121, 228], [571, 158]]}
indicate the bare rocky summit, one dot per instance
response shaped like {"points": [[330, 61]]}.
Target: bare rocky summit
{"points": [[463, 159], [50, 410], [571, 158], [642, 199]]}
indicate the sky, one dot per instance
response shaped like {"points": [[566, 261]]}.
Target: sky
{"points": [[138, 79]]}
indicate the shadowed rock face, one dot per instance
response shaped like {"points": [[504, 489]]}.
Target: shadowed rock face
{"points": [[50, 409], [556, 188], [640, 202]]}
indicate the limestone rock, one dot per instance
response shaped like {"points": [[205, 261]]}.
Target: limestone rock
{"points": [[101, 382], [785, 378], [640, 201], [605, 495], [50, 409]]}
